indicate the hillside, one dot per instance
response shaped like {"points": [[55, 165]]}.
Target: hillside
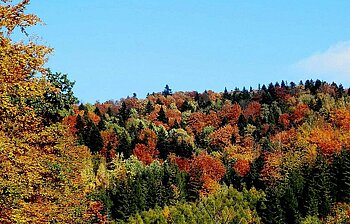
{"points": [[276, 154], [285, 144]]}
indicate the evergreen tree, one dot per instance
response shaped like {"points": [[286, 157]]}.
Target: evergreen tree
{"points": [[92, 137], [242, 123], [162, 116], [149, 107], [80, 128], [341, 176], [226, 95], [283, 84], [292, 85], [317, 193], [123, 114], [167, 91], [273, 213]]}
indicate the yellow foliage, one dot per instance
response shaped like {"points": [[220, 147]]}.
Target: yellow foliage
{"points": [[44, 175]]}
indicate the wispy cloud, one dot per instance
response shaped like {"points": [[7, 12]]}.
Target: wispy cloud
{"points": [[334, 63]]}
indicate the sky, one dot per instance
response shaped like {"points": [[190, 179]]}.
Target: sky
{"points": [[114, 48]]}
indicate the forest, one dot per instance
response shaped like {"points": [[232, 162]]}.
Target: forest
{"points": [[279, 153]]}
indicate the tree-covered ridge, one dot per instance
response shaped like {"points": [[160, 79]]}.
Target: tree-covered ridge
{"points": [[277, 154], [289, 141]]}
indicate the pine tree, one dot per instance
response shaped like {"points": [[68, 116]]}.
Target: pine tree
{"points": [[149, 107], [242, 123], [226, 95], [162, 116], [341, 176], [123, 114], [167, 91], [162, 143]]}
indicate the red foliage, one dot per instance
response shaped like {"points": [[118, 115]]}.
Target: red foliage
{"points": [[341, 117], [182, 163], [94, 211], [222, 137], [299, 113], [252, 110], [282, 94], [212, 170], [110, 143], [265, 128], [145, 154], [231, 112], [173, 115], [284, 120], [197, 122], [326, 139], [148, 137], [71, 121]]}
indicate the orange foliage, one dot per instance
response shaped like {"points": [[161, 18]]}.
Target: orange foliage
{"points": [[197, 122], [145, 154], [173, 115], [132, 103], [252, 110], [213, 96], [165, 100], [299, 113], [284, 120], [272, 168], [231, 112], [102, 107], [93, 117], [222, 137], [211, 169], [242, 167], [110, 143], [179, 99], [284, 138], [341, 117], [94, 213], [71, 122], [182, 163], [149, 137], [154, 114], [44, 174], [326, 139]]}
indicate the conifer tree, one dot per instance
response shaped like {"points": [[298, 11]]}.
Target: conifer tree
{"points": [[162, 116]]}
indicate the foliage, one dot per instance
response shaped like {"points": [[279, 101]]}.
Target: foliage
{"points": [[226, 206]]}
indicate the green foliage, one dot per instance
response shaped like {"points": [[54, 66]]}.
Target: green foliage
{"points": [[146, 187], [226, 206]]}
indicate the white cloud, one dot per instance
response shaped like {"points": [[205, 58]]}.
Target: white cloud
{"points": [[334, 63]]}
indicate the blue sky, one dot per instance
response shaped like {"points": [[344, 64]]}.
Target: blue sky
{"points": [[114, 48]]}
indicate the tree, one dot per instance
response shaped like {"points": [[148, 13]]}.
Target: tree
{"points": [[167, 91], [149, 107], [44, 174], [162, 116], [59, 102]]}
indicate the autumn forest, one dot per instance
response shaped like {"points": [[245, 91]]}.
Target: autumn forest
{"points": [[279, 153]]}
